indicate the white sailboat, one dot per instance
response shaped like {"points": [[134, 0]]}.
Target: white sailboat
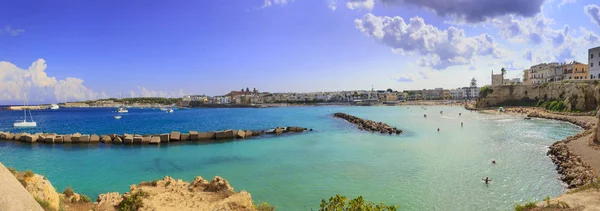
{"points": [[24, 122], [54, 107], [122, 109]]}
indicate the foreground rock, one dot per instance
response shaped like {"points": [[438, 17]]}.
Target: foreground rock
{"points": [[368, 125], [13, 196], [171, 194]]}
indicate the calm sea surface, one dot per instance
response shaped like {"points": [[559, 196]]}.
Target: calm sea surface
{"points": [[422, 169]]}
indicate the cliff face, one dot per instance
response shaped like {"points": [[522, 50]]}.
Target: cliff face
{"points": [[580, 95]]}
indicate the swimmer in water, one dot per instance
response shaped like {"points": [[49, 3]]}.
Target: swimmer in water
{"points": [[425, 115], [493, 162], [459, 114], [486, 180], [461, 124], [438, 129]]}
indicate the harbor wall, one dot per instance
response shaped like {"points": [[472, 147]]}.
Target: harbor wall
{"points": [[576, 95], [130, 139]]}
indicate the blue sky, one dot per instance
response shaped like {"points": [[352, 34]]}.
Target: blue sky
{"points": [[69, 50]]}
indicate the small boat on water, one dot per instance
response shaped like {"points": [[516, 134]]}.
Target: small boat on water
{"points": [[54, 107], [117, 117], [122, 110], [528, 118], [24, 122], [170, 111]]}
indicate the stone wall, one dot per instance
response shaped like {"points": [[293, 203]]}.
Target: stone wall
{"points": [[576, 95]]}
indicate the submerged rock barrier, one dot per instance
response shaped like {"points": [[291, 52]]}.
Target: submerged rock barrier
{"points": [[368, 125], [137, 139], [581, 123]]}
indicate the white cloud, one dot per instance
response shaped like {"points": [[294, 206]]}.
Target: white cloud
{"points": [[9, 30], [524, 30], [593, 11], [35, 85], [528, 55], [439, 48], [563, 2], [268, 3], [360, 4], [332, 4]]}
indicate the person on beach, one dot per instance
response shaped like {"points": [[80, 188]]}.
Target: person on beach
{"points": [[486, 180], [459, 114]]}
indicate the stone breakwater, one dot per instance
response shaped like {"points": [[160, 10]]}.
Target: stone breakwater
{"points": [[368, 125], [584, 124], [174, 136], [573, 171]]}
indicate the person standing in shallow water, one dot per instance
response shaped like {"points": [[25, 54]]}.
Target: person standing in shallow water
{"points": [[461, 124], [486, 180]]}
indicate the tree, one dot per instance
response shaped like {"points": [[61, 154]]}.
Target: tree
{"points": [[503, 71], [473, 82], [390, 90]]}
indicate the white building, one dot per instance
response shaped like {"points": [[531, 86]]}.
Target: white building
{"points": [[543, 72], [513, 81], [594, 62]]}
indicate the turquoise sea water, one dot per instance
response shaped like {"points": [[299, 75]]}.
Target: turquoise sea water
{"points": [[422, 169]]}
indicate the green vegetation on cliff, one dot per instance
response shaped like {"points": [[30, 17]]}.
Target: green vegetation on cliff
{"points": [[485, 91], [133, 201], [554, 105], [140, 100], [341, 203]]}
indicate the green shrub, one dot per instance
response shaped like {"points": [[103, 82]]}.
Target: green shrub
{"points": [[264, 206], [12, 170], [68, 192], [539, 103], [132, 202], [22, 181], [552, 105], [43, 203], [485, 91], [29, 174], [340, 203], [525, 207], [84, 198], [545, 104]]}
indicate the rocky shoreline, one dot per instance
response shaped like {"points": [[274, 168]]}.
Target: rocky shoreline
{"points": [[368, 125], [128, 139], [574, 172]]}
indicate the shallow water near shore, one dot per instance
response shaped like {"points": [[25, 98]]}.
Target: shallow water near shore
{"points": [[421, 169]]}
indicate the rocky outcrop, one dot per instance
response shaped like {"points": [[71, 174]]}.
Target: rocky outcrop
{"points": [[368, 125], [13, 196], [41, 189], [574, 172], [171, 194], [576, 95]]}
